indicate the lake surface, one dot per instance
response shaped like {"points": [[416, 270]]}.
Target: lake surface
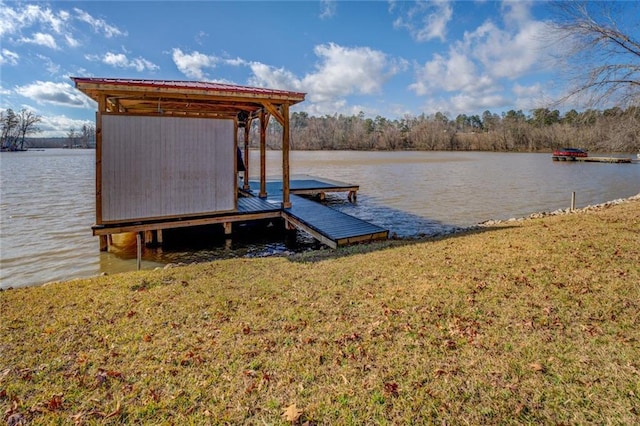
{"points": [[47, 203]]}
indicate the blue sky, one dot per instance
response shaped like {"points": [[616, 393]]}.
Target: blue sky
{"points": [[387, 58]]}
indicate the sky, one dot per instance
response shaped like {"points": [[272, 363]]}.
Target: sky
{"points": [[380, 58]]}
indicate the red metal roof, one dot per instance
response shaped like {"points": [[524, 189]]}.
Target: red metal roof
{"points": [[193, 85]]}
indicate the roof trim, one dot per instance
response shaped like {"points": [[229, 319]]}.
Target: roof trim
{"points": [[182, 85], [183, 98]]}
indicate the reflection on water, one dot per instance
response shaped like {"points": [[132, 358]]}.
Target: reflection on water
{"points": [[47, 204]]}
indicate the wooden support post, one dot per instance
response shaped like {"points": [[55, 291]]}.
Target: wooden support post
{"points": [[228, 227], [573, 201], [104, 243], [352, 197], [138, 251], [148, 238], [246, 155], [286, 202], [159, 236], [264, 121]]}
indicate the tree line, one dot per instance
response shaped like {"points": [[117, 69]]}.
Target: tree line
{"points": [[610, 130], [16, 127]]}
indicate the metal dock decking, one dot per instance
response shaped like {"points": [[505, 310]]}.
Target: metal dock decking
{"points": [[309, 185], [330, 226]]}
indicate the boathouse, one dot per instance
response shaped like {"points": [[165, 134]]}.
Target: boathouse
{"points": [[166, 157]]}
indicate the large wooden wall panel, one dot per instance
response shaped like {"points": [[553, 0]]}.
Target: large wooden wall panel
{"points": [[155, 167]]}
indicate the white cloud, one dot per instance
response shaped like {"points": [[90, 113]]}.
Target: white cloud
{"points": [[344, 71], [55, 93], [201, 37], [520, 90], [38, 24], [8, 57], [277, 78], [457, 72], [100, 26], [516, 12], [50, 66], [341, 71], [192, 64], [464, 102], [508, 54], [120, 60], [53, 126], [530, 97], [473, 72], [425, 20], [71, 42], [41, 39], [4, 92], [327, 9]]}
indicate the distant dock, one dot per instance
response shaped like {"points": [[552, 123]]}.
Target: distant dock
{"points": [[617, 160]]}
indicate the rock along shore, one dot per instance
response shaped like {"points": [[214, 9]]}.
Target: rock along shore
{"points": [[558, 212]]}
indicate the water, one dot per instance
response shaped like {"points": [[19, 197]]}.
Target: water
{"points": [[47, 203]]}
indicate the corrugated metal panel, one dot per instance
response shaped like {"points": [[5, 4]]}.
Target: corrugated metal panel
{"points": [[154, 167]]}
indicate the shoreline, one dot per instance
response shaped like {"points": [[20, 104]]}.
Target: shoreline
{"points": [[559, 212], [393, 237]]}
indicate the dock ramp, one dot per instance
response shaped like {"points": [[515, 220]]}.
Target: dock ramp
{"points": [[330, 226]]}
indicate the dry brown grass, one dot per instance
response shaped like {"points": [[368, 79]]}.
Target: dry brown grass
{"points": [[527, 323]]}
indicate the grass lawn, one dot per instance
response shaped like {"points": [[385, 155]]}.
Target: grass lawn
{"points": [[532, 322]]}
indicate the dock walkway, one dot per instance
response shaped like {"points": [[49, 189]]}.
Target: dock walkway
{"points": [[327, 225], [330, 226], [308, 185]]}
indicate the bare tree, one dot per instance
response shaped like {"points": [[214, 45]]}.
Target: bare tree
{"points": [[9, 123], [15, 127], [88, 135], [605, 56], [73, 137], [27, 125]]}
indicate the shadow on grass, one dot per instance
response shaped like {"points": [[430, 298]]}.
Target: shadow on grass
{"points": [[370, 247], [404, 229]]}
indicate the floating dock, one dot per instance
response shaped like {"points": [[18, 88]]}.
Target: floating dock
{"points": [[307, 185], [618, 160]]}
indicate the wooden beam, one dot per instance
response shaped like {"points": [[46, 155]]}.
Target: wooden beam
{"points": [[102, 107], [247, 128], [315, 234], [273, 110], [119, 229]]}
